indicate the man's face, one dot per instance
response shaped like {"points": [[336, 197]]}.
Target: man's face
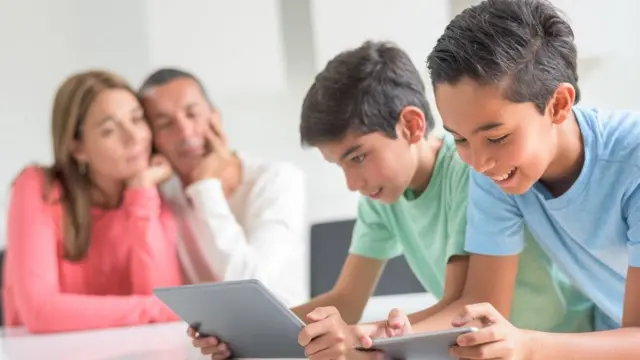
{"points": [[374, 164], [512, 143], [179, 116]]}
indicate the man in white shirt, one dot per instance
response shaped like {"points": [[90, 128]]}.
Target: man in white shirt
{"points": [[239, 217]]}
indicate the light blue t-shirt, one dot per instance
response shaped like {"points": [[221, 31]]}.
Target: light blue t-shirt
{"points": [[591, 232]]}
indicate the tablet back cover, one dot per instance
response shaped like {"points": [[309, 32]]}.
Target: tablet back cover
{"points": [[243, 314]]}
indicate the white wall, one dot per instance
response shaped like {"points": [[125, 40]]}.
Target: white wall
{"points": [[255, 73]]}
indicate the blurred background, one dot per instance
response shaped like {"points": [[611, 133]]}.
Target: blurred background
{"points": [[257, 59]]}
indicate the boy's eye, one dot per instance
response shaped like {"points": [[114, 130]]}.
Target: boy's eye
{"points": [[498, 140], [460, 140], [358, 158]]}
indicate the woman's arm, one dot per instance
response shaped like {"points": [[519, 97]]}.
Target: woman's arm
{"points": [[33, 260], [152, 231]]}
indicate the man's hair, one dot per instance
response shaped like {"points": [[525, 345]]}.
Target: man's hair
{"points": [[364, 90], [525, 47], [166, 75]]}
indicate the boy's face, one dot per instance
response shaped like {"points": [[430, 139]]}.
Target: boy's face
{"points": [[512, 143], [374, 164]]}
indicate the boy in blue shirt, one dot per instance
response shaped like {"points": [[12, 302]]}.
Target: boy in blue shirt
{"points": [[505, 80]]}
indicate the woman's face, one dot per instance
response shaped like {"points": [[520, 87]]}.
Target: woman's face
{"points": [[115, 140]]}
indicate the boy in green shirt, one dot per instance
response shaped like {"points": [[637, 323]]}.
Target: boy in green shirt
{"points": [[367, 112]]}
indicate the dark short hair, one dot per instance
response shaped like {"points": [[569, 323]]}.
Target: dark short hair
{"points": [[526, 47], [362, 89], [165, 75]]}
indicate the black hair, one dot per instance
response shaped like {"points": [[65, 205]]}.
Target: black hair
{"points": [[165, 75], [362, 89], [525, 47]]}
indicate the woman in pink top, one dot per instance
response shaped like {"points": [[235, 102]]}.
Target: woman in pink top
{"points": [[89, 237]]}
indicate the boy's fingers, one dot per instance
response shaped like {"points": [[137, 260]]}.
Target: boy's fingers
{"points": [[316, 329], [483, 311], [321, 313], [483, 336], [205, 341], [364, 333], [397, 319]]}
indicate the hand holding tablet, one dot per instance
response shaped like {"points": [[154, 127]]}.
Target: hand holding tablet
{"points": [[329, 336]]}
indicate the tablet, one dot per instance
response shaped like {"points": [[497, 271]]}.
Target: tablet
{"points": [[428, 345], [244, 314]]}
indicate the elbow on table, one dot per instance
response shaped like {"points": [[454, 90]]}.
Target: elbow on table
{"points": [[42, 321]]}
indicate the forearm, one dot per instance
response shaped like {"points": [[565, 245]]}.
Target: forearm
{"points": [[441, 317], [70, 312], [222, 240], [423, 315], [151, 230], [350, 311], [619, 344]]}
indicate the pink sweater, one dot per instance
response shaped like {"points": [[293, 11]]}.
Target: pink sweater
{"points": [[133, 250]]}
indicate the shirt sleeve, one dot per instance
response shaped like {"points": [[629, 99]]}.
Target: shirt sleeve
{"points": [[631, 211], [273, 230], [457, 211], [371, 235], [494, 223], [32, 265], [152, 232]]}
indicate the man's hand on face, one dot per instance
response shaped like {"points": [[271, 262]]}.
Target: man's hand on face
{"points": [[217, 158]]}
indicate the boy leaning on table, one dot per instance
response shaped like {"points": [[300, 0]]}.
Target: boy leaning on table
{"points": [[507, 70], [367, 113]]}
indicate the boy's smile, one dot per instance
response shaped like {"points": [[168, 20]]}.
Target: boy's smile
{"points": [[512, 143]]}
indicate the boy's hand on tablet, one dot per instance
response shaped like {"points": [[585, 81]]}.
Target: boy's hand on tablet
{"points": [[496, 339], [209, 345], [397, 324], [328, 337]]}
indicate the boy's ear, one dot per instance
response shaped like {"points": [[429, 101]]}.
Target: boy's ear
{"points": [[561, 104], [412, 124]]}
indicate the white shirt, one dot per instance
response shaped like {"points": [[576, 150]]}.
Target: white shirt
{"points": [[256, 234]]}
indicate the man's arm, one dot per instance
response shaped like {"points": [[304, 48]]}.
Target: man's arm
{"points": [[263, 248], [350, 294], [619, 344]]}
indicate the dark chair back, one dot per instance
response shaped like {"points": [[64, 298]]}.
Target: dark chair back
{"points": [[329, 249]]}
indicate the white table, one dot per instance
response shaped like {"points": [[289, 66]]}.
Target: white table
{"points": [[149, 342]]}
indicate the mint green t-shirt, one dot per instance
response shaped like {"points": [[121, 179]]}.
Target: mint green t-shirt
{"points": [[430, 229]]}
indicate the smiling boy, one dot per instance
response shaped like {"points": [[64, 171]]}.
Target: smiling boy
{"points": [[506, 85], [367, 113]]}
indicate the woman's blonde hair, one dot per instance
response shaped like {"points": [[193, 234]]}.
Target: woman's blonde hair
{"points": [[71, 104]]}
